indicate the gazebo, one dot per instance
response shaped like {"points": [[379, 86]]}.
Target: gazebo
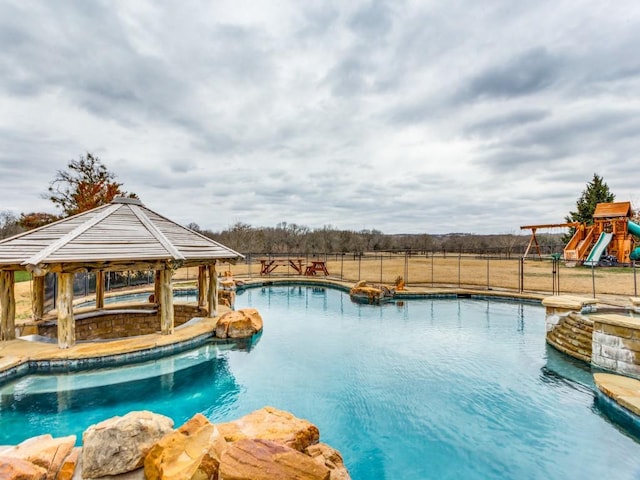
{"points": [[123, 235]]}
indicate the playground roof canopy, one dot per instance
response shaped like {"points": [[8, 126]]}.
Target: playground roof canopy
{"points": [[121, 235], [611, 210]]}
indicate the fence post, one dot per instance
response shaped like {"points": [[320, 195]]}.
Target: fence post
{"points": [[431, 269], [342, 266], [381, 268], [521, 273], [593, 279], [406, 267], [359, 264], [459, 259], [635, 285], [488, 284]]}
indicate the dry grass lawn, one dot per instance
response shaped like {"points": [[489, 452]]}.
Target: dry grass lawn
{"points": [[435, 271], [469, 272]]}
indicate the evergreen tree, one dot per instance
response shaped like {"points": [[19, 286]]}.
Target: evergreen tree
{"points": [[597, 191]]}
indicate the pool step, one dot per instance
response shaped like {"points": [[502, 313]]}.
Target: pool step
{"points": [[573, 335]]}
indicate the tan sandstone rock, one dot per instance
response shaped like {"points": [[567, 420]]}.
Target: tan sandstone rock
{"points": [[250, 459], [68, 467], [119, 444], [325, 455], [269, 423], [226, 298], [192, 452], [239, 324], [44, 451], [13, 468]]}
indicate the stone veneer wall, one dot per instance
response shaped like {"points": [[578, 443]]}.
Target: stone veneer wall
{"points": [[607, 341], [122, 322], [616, 344]]}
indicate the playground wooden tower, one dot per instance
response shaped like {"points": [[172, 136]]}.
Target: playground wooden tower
{"points": [[610, 232]]}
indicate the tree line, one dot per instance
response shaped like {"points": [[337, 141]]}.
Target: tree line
{"points": [[86, 183], [292, 238]]}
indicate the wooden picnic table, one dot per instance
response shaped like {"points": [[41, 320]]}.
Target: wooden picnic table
{"points": [[317, 266], [268, 265]]}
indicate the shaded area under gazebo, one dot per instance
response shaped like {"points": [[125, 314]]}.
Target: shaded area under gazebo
{"points": [[123, 235]]}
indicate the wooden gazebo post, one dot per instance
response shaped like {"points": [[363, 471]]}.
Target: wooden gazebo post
{"points": [[66, 322], [7, 305], [37, 297], [100, 289], [212, 291], [202, 286], [166, 301]]}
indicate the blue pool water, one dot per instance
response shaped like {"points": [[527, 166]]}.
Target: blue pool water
{"points": [[460, 389]]}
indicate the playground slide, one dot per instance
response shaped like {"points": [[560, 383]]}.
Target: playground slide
{"points": [[577, 247], [634, 229], [598, 249]]}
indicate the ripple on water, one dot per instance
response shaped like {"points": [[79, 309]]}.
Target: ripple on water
{"points": [[427, 389]]}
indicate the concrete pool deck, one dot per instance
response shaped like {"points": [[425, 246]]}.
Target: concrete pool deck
{"points": [[20, 353]]}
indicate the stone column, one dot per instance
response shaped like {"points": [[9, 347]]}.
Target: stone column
{"points": [[7, 305], [212, 291], [166, 302], [37, 297], [64, 302]]}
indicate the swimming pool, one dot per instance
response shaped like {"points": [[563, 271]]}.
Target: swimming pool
{"points": [[419, 389]]}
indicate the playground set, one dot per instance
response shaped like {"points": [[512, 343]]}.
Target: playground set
{"points": [[608, 240]]}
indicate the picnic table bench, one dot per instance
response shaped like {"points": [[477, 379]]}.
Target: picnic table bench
{"points": [[268, 265], [317, 266]]}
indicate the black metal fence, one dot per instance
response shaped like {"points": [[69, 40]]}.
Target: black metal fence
{"points": [[85, 283]]}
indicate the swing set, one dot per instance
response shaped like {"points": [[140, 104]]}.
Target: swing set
{"points": [[533, 241]]}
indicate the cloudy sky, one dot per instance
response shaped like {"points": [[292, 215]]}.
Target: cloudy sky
{"points": [[403, 116]]}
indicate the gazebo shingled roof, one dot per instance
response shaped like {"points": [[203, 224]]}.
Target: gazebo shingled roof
{"points": [[120, 233]]}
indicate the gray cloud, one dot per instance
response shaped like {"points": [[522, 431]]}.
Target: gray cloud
{"points": [[526, 73], [402, 117]]}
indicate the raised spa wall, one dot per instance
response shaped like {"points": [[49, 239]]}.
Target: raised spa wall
{"points": [[121, 321], [607, 341]]}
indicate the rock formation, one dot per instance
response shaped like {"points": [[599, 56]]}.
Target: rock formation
{"points": [[119, 444], [239, 324], [258, 459], [268, 444], [43, 451], [191, 451]]}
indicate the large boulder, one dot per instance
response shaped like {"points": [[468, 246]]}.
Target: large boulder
{"points": [[364, 292], [239, 324], [13, 468], [44, 451], [192, 451], [272, 424], [329, 457], [119, 444], [256, 459]]}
